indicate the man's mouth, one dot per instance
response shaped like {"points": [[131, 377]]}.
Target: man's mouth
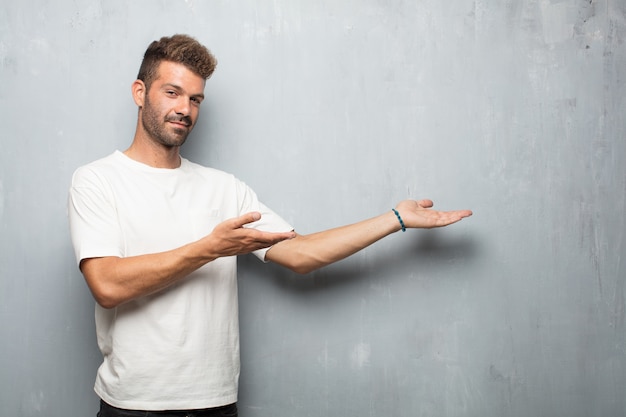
{"points": [[185, 122]]}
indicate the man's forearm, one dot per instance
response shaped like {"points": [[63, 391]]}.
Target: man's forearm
{"points": [[307, 253], [114, 280]]}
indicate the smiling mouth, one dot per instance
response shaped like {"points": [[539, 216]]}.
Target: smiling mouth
{"points": [[181, 122]]}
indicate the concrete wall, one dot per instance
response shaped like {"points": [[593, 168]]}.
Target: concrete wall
{"points": [[333, 111]]}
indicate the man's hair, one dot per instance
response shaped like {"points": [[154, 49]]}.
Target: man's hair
{"points": [[182, 49]]}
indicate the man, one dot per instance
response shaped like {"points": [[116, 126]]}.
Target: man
{"points": [[156, 238]]}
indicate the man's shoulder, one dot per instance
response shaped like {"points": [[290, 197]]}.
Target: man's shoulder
{"points": [[94, 172], [101, 163]]}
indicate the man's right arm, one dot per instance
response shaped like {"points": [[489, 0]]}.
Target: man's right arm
{"points": [[114, 280]]}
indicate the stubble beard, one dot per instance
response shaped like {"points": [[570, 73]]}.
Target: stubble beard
{"points": [[156, 127]]}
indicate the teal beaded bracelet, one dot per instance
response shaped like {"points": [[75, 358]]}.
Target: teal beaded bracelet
{"points": [[399, 219]]}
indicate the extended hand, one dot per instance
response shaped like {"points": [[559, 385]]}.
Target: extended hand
{"points": [[418, 214], [231, 238]]}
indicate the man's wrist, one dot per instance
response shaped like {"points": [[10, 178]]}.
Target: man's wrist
{"points": [[402, 226]]}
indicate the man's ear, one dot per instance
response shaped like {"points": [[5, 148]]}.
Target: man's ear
{"points": [[139, 92]]}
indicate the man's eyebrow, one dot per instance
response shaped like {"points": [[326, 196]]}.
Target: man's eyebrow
{"points": [[174, 86]]}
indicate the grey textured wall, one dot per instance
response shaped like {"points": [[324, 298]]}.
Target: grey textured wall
{"points": [[334, 111]]}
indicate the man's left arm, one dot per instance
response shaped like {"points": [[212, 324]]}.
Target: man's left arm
{"points": [[306, 253]]}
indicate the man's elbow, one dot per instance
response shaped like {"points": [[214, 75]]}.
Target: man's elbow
{"points": [[302, 269], [102, 291], [104, 296], [107, 302], [302, 265]]}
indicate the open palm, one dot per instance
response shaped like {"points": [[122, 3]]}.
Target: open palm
{"points": [[419, 214]]}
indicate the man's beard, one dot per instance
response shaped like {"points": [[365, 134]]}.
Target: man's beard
{"points": [[156, 127]]}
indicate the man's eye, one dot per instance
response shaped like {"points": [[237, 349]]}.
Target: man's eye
{"points": [[170, 93]]}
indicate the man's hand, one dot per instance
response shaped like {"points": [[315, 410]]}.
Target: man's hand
{"points": [[231, 238], [419, 214]]}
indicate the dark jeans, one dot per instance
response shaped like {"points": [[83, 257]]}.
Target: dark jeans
{"points": [[226, 411]]}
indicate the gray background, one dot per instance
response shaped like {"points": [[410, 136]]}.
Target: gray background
{"points": [[333, 111]]}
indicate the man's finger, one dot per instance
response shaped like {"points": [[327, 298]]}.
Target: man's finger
{"points": [[273, 238], [247, 218], [425, 203]]}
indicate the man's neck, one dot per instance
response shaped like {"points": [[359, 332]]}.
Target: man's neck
{"points": [[154, 155]]}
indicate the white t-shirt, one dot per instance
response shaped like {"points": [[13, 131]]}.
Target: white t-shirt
{"points": [[178, 348]]}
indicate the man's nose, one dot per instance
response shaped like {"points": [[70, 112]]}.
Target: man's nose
{"points": [[183, 106]]}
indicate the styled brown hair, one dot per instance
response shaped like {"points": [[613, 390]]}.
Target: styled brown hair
{"points": [[182, 49]]}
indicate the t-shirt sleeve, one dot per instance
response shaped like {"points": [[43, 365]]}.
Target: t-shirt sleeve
{"points": [[269, 221], [94, 225]]}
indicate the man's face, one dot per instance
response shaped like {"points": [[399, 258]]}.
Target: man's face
{"points": [[171, 106]]}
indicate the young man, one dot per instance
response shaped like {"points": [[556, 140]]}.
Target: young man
{"points": [[156, 237]]}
